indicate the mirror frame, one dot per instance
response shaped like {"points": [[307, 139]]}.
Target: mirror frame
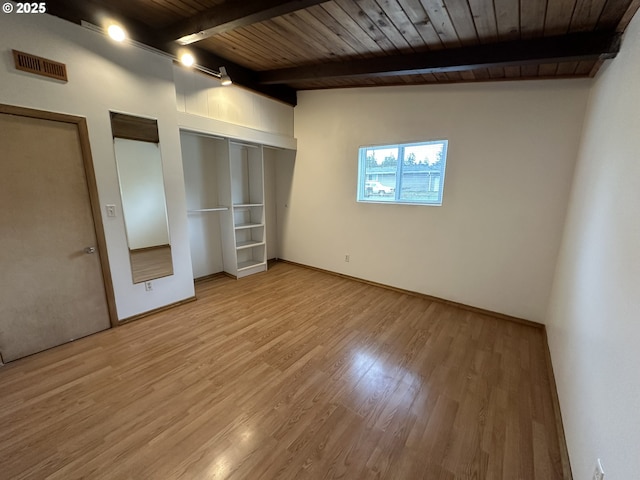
{"points": [[155, 261]]}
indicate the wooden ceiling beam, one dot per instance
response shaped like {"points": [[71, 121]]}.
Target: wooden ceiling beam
{"points": [[566, 48], [231, 15]]}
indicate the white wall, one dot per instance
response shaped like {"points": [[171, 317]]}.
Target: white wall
{"points": [[104, 76], [205, 106], [201, 95], [593, 320], [493, 244]]}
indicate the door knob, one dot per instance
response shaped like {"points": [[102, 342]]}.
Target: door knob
{"points": [[90, 250]]}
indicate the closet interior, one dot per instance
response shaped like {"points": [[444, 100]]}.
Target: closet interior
{"points": [[231, 204]]}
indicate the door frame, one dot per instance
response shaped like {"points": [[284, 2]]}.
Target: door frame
{"points": [[92, 187]]}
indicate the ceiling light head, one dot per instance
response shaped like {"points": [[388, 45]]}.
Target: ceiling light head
{"points": [[225, 79], [187, 59], [116, 32]]}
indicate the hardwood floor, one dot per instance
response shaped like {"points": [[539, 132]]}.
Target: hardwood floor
{"points": [[151, 263], [289, 374]]}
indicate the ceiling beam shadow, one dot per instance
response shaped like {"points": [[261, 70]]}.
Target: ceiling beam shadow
{"points": [[566, 48], [231, 15]]}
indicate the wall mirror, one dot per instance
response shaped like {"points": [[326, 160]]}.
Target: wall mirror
{"points": [[139, 165]]}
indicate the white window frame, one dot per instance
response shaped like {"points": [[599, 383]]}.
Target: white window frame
{"points": [[397, 200]]}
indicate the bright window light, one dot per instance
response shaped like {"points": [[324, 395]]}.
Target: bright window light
{"points": [[409, 173]]}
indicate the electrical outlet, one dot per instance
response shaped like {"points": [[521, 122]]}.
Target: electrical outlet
{"points": [[598, 473], [147, 286], [347, 257], [111, 210]]}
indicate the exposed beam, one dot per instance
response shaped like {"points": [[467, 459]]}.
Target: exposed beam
{"points": [[231, 15], [574, 47], [95, 12]]}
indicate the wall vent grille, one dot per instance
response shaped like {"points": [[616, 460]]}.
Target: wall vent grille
{"points": [[40, 66]]}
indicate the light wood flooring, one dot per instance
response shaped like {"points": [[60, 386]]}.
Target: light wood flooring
{"points": [[151, 263], [288, 374]]}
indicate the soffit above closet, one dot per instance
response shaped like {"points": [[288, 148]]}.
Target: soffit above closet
{"points": [[279, 47]]}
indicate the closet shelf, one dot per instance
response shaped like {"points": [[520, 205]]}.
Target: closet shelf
{"points": [[214, 209], [242, 226], [249, 264], [248, 244]]}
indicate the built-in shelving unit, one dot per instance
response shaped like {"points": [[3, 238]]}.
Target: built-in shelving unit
{"points": [[224, 183], [247, 197]]}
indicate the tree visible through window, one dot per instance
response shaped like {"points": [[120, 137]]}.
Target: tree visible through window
{"points": [[403, 173]]}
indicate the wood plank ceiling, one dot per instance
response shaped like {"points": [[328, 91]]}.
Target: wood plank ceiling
{"points": [[279, 47]]}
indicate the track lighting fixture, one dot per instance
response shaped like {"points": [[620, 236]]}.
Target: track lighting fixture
{"points": [[225, 79]]}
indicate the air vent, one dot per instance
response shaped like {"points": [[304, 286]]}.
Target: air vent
{"points": [[40, 66]]}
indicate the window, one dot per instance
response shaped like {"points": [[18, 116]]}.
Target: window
{"points": [[406, 173]]}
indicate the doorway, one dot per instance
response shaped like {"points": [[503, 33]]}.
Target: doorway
{"points": [[55, 284]]}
